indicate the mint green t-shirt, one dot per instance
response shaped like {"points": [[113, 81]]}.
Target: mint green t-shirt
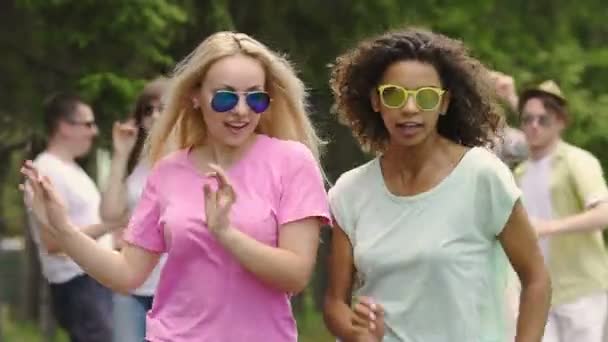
{"points": [[432, 260]]}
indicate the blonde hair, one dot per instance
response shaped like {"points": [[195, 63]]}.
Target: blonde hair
{"points": [[181, 126]]}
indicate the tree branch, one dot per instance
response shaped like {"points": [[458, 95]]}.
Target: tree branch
{"points": [[20, 144]]}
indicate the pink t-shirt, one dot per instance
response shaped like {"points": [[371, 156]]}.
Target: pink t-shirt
{"points": [[204, 293]]}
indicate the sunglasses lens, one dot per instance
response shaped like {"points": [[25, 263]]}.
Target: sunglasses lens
{"points": [[224, 101], [427, 99], [545, 121], [527, 120], [258, 101], [541, 120], [393, 97]]}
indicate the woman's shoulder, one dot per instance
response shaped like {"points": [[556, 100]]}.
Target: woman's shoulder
{"points": [[483, 160], [490, 172], [168, 163], [355, 179], [284, 148], [285, 155]]}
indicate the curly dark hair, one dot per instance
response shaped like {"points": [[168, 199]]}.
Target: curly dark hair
{"points": [[473, 116]]}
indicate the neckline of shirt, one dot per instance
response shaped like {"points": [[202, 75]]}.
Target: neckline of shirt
{"points": [[425, 194]]}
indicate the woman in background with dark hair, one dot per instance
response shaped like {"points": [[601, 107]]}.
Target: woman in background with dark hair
{"points": [[127, 178]]}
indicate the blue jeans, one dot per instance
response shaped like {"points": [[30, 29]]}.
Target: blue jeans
{"points": [[83, 308], [130, 317]]}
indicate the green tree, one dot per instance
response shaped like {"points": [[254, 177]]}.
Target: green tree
{"points": [[102, 50]]}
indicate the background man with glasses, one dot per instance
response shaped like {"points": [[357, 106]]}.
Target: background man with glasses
{"points": [[81, 305], [565, 194]]}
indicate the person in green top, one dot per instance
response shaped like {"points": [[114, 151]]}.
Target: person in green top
{"points": [[421, 231], [564, 192]]}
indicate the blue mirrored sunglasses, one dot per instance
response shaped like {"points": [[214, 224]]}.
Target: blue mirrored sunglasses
{"points": [[225, 100]]}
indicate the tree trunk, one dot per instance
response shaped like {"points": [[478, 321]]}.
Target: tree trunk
{"points": [[48, 325], [31, 279], [2, 310]]}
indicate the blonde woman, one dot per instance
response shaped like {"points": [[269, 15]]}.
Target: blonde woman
{"points": [[237, 208]]}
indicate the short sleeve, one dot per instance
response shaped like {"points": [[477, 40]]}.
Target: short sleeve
{"points": [[345, 196], [588, 178], [303, 192], [499, 193], [55, 176], [338, 209], [145, 228]]}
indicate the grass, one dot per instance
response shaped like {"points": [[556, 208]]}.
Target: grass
{"points": [[23, 332], [310, 326]]}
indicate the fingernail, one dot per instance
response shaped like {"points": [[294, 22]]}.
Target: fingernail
{"points": [[373, 306], [372, 316]]}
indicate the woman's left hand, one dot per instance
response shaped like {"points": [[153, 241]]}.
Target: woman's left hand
{"points": [[370, 316], [218, 203]]}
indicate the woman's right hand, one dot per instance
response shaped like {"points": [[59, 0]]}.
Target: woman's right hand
{"points": [[368, 320], [505, 88], [124, 137], [44, 201]]}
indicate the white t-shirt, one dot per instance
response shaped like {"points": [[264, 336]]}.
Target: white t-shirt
{"points": [[432, 260], [536, 194], [135, 185], [82, 200]]}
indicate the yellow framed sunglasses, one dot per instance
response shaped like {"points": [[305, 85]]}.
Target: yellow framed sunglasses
{"points": [[426, 98]]}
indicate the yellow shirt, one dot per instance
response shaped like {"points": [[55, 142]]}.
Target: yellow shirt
{"points": [[578, 262]]}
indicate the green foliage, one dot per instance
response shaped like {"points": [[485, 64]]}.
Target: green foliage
{"points": [[112, 95], [106, 49], [83, 46]]}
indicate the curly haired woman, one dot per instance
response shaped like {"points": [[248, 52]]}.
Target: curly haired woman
{"points": [[418, 255]]}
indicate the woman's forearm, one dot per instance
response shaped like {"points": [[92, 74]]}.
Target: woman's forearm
{"points": [[94, 231], [114, 270], [595, 218], [114, 197], [534, 305]]}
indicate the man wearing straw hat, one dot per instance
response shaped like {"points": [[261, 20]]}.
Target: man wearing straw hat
{"points": [[565, 194]]}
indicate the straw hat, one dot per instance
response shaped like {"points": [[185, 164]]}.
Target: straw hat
{"points": [[548, 87]]}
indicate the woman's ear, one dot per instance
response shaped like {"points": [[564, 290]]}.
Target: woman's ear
{"points": [[195, 97], [445, 102], [374, 100]]}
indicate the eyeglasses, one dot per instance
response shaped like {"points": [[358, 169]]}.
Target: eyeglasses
{"points": [[88, 124], [225, 100], [426, 98], [150, 109], [543, 120]]}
